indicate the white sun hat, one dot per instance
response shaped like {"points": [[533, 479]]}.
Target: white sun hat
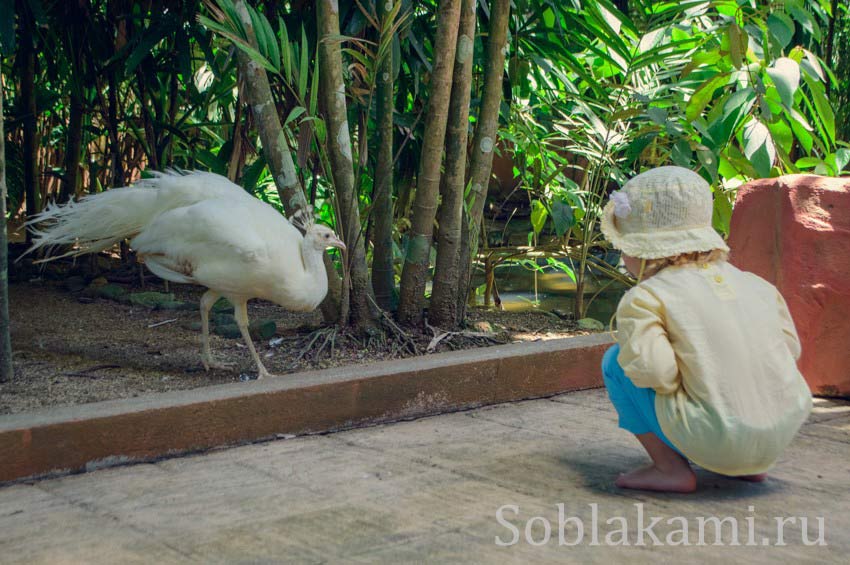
{"points": [[661, 213]]}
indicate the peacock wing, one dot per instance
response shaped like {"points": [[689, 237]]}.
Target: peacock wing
{"points": [[230, 246]]}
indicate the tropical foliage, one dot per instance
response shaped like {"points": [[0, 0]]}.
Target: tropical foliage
{"points": [[98, 91]]}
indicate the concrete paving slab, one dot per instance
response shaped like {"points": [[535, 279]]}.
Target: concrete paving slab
{"points": [[429, 491]]}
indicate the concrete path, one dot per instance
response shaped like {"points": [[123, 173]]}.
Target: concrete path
{"points": [[429, 491]]}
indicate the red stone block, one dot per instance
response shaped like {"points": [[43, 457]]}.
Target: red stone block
{"points": [[794, 231]]}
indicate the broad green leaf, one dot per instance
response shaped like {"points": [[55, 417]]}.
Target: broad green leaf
{"points": [[702, 96], [722, 214], [539, 213], [842, 159], [562, 216], [812, 64], [803, 135], [735, 107], [738, 45], [709, 163], [785, 74], [549, 17], [781, 27], [657, 115], [682, 154], [797, 54], [797, 117], [758, 146], [781, 133], [805, 19], [807, 162]]}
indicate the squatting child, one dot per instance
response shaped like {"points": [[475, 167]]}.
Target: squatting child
{"points": [[705, 366]]}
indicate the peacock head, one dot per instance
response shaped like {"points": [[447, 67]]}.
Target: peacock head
{"points": [[321, 237]]}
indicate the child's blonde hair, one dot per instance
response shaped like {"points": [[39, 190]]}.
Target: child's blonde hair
{"points": [[652, 267]]}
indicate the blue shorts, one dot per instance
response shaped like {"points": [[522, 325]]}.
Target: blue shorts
{"points": [[635, 406]]}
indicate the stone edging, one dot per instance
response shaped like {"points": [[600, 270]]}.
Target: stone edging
{"points": [[72, 439]]}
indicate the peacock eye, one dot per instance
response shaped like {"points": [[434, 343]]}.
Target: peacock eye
{"points": [[326, 236]]}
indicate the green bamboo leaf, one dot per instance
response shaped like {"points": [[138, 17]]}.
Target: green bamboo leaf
{"points": [[825, 113], [151, 38], [294, 114], [266, 41], [238, 42], [233, 18], [314, 89], [303, 70], [285, 51]]}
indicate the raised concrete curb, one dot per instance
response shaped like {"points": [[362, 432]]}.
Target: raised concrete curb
{"points": [[79, 438]]}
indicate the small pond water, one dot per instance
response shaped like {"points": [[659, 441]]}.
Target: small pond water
{"points": [[555, 291]]}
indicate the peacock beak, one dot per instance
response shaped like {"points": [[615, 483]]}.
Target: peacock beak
{"points": [[336, 242]]}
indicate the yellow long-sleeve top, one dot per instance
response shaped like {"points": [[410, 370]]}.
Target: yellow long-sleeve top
{"points": [[719, 347]]}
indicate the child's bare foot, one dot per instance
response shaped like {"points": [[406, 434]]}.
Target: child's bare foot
{"points": [[679, 478], [752, 478]]}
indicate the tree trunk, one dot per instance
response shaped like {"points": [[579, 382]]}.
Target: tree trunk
{"points": [[383, 278], [234, 167], [447, 283], [485, 136], [29, 109], [416, 264], [73, 145], [276, 150], [5, 340], [332, 100]]}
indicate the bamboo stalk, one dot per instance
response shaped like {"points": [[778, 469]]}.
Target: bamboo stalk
{"points": [[383, 277], [444, 306], [6, 371], [417, 262]]}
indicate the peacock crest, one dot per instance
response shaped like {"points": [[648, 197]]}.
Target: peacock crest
{"points": [[303, 218]]}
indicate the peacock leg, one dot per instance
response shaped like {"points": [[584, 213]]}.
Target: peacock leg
{"points": [[241, 314], [207, 300]]}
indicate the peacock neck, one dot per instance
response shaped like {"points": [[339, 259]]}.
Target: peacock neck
{"points": [[314, 270]]}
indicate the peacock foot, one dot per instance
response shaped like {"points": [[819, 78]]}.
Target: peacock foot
{"points": [[211, 363]]}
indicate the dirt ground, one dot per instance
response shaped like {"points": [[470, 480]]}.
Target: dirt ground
{"points": [[70, 349]]}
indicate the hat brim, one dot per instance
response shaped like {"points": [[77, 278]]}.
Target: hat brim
{"points": [[658, 244]]}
